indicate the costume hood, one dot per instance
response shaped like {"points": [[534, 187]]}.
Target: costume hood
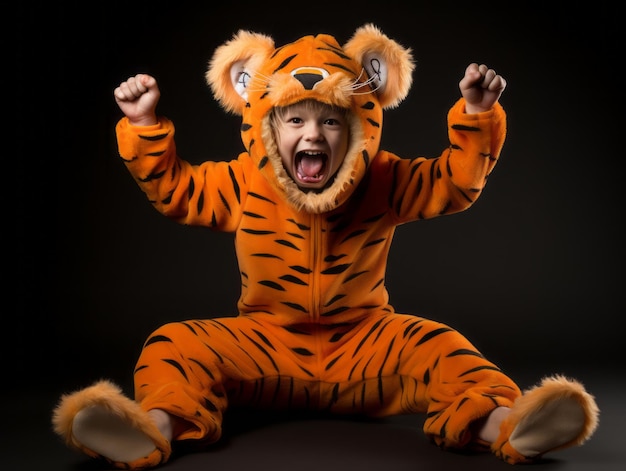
{"points": [[249, 76]]}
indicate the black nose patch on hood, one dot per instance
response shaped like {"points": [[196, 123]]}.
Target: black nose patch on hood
{"points": [[308, 80]]}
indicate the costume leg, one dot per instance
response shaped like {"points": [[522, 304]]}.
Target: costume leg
{"points": [[404, 364], [191, 370], [195, 369], [399, 364]]}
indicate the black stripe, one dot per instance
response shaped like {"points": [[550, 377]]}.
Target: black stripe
{"points": [[177, 365], [235, 184]]}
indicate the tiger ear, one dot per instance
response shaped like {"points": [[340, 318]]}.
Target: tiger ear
{"points": [[388, 64], [232, 66]]}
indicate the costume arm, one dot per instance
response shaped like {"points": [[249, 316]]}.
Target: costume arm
{"points": [[208, 194], [425, 188]]}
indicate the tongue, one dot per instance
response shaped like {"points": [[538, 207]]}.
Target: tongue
{"points": [[310, 165]]}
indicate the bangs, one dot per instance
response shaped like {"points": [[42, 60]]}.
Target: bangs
{"points": [[309, 105]]}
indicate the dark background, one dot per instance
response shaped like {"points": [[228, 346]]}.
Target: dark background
{"points": [[532, 274]]}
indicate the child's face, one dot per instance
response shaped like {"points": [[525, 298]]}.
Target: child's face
{"points": [[312, 143]]}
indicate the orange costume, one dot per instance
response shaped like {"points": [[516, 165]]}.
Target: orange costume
{"points": [[315, 329]]}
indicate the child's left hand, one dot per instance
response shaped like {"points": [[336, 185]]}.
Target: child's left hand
{"points": [[481, 87]]}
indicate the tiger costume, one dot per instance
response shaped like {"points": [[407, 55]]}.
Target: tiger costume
{"points": [[315, 329]]}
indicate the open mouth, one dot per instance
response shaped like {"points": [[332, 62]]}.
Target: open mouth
{"points": [[310, 166]]}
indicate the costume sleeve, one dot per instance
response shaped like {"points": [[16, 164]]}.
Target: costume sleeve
{"points": [[424, 188], [208, 194]]}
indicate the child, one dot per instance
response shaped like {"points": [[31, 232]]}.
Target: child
{"points": [[313, 204]]}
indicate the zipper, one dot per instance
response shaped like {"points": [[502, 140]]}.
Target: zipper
{"points": [[315, 296]]}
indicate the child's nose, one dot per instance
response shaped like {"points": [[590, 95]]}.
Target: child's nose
{"points": [[313, 132]]}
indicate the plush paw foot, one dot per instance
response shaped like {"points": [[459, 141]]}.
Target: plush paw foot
{"points": [[556, 414], [103, 423], [110, 435]]}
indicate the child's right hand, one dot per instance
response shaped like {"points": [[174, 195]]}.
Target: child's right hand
{"points": [[137, 97]]}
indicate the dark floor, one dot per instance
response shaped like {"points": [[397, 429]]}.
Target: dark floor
{"points": [[316, 443]]}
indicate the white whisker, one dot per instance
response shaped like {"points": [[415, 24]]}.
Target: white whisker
{"points": [[360, 75], [263, 76], [356, 85]]}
